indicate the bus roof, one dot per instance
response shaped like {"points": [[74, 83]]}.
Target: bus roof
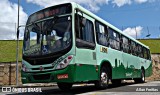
{"points": [[75, 5]]}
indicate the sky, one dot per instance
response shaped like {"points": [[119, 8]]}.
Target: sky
{"points": [[141, 17]]}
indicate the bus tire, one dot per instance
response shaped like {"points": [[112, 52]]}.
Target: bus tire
{"points": [[104, 79], [64, 86], [142, 79]]}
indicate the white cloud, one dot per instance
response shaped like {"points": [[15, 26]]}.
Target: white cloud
{"points": [[92, 5], [8, 18], [8, 13], [120, 3], [141, 1], [134, 31], [144, 1]]}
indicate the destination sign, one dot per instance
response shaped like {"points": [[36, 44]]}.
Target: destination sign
{"points": [[51, 11]]}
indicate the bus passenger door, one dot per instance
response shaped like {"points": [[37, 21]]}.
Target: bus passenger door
{"points": [[85, 58]]}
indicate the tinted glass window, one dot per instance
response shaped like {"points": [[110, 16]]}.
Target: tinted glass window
{"points": [[86, 31], [145, 53], [140, 51], [148, 54], [114, 39], [125, 44], [133, 48], [47, 37], [102, 34]]}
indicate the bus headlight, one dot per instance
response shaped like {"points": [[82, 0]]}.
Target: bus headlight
{"points": [[64, 63], [24, 67]]}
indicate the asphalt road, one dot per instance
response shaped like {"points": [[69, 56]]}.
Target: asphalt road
{"points": [[148, 88]]}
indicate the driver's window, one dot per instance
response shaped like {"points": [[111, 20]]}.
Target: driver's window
{"points": [[33, 38], [86, 30], [27, 40]]}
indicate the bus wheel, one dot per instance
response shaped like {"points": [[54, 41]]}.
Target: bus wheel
{"points": [[64, 86], [116, 82], [142, 79], [104, 79]]}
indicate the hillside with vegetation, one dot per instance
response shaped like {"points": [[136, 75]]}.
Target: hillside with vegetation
{"points": [[154, 45], [8, 51]]}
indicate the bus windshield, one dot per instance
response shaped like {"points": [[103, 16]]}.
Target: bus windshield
{"points": [[47, 36]]}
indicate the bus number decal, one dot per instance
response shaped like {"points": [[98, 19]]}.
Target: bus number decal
{"points": [[103, 49]]}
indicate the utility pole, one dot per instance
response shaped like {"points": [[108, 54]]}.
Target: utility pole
{"points": [[136, 32], [148, 30], [17, 54], [148, 33]]}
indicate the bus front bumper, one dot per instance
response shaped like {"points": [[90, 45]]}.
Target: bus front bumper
{"points": [[63, 75]]}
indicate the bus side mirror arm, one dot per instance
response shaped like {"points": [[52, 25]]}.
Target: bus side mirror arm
{"points": [[19, 30], [17, 33]]}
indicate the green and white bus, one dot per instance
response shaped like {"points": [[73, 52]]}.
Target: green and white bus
{"points": [[68, 44]]}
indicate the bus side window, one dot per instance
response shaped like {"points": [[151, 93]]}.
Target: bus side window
{"points": [[125, 44], [88, 32], [148, 54], [129, 45], [121, 43], [137, 50], [132, 48], [142, 54], [84, 32], [77, 25], [145, 53], [114, 39], [101, 34], [140, 51]]}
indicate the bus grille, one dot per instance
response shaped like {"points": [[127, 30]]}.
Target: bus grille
{"points": [[41, 61], [44, 68], [42, 77]]}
